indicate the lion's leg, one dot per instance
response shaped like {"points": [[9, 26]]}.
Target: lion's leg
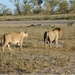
{"points": [[50, 44], [56, 42], [3, 47], [9, 47], [21, 46]]}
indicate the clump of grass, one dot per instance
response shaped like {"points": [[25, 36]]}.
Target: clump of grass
{"points": [[53, 26], [70, 23]]}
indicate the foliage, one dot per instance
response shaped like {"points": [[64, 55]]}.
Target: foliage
{"points": [[63, 7], [37, 10], [38, 17], [53, 4], [47, 8], [17, 5], [72, 9], [2, 8], [70, 23], [29, 7]]}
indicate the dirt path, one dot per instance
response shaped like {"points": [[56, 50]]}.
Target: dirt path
{"points": [[43, 22]]}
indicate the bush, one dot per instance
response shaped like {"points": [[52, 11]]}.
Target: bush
{"points": [[70, 23]]}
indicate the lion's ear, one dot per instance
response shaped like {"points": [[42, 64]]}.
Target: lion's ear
{"points": [[25, 32]]}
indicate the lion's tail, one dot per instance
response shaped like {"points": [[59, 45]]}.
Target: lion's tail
{"points": [[2, 39], [45, 36]]}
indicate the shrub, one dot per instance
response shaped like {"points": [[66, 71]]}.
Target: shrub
{"points": [[70, 23]]}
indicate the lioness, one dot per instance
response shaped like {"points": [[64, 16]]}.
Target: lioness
{"points": [[52, 36], [14, 38]]}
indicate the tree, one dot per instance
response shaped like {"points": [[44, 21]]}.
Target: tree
{"points": [[53, 4], [72, 8], [27, 9], [34, 2], [17, 5], [63, 7], [40, 2], [2, 8], [46, 9], [7, 12], [36, 7], [37, 10]]}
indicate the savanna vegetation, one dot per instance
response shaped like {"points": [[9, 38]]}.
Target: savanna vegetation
{"points": [[44, 7], [38, 17], [34, 59], [38, 10]]}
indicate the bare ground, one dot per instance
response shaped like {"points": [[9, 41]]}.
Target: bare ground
{"points": [[36, 22]]}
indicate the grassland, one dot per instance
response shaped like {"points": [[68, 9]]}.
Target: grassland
{"points": [[34, 59], [38, 17]]}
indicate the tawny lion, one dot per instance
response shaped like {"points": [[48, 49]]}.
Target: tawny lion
{"points": [[14, 38], [52, 36]]}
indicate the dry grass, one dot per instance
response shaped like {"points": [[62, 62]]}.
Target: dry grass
{"points": [[34, 59], [38, 17]]}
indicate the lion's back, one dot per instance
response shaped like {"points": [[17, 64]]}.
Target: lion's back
{"points": [[13, 37]]}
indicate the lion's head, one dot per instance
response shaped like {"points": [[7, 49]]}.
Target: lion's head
{"points": [[59, 31]]}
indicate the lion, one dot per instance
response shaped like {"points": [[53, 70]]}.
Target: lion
{"points": [[52, 36], [13, 38]]}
